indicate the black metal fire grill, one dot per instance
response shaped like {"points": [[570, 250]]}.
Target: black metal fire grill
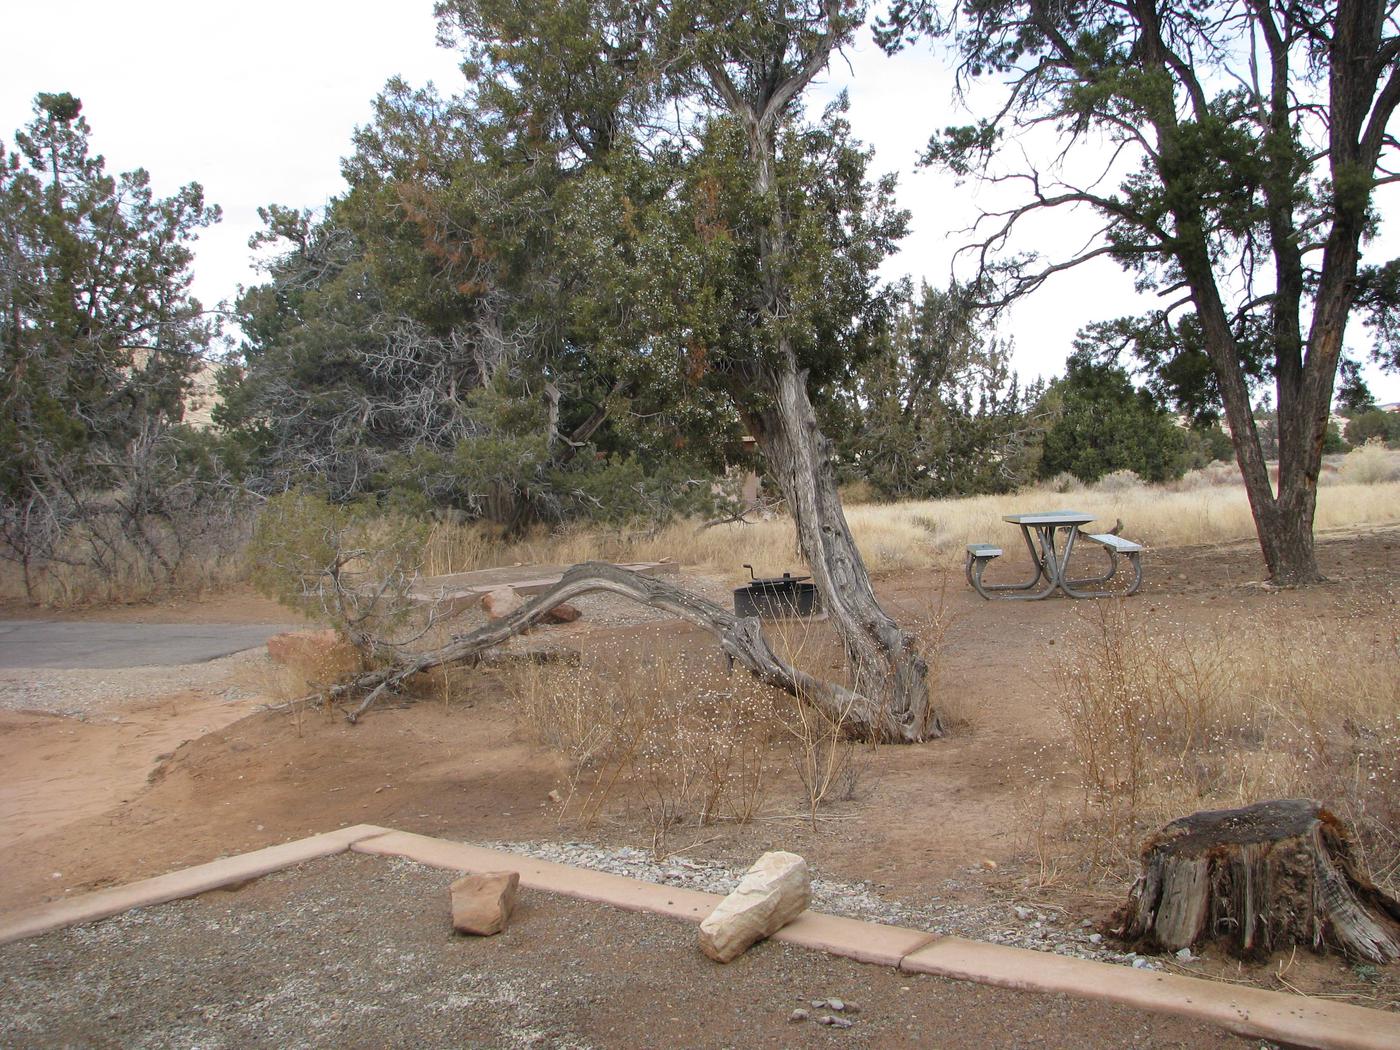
{"points": [[777, 597]]}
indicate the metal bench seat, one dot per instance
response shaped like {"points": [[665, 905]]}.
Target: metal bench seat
{"points": [[984, 550], [1116, 543]]}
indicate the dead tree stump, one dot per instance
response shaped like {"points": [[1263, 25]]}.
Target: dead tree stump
{"points": [[1259, 879]]}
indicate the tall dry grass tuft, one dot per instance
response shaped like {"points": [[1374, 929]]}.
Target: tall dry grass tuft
{"points": [[678, 741], [1164, 721]]}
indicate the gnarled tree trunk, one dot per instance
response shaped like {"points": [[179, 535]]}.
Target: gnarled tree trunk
{"points": [[1260, 879], [885, 662]]}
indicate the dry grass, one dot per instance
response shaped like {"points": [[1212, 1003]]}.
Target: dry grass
{"points": [[128, 577], [1164, 722], [1206, 507], [673, 742]]}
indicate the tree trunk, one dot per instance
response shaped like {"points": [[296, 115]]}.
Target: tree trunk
{"points": [[1260, 879], [741, 639], [885, 662]]}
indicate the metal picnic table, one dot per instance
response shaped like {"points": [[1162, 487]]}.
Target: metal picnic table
{"points": [[1041, 531]]}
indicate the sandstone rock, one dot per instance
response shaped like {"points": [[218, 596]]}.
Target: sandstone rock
{"points": [[481, 904], [319, 655], [562, 613], [501, 602], [771, 894]]}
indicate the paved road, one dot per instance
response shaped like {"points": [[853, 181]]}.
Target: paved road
{"points": [[63, 644]]}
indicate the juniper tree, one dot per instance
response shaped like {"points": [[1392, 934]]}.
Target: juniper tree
{"points": [[1247, 139]]}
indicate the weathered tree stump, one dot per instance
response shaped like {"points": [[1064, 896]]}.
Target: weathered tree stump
{"points": [[1259, 879]]}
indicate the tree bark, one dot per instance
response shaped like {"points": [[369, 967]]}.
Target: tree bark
{"points": [[741, 639], [1260, 879], [884, 660], [772, 397]]}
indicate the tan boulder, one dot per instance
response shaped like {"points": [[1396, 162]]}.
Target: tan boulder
{"points": [[482, 904], [501, 602], [318, 655], [769, 896]]}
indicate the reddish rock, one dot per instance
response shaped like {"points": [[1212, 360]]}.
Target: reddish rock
{"points": [[562, 613], [501, 602], [317, 654], [481, 904]]}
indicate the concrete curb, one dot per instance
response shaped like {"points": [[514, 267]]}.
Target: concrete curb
{"points": [[1254, 1012], [583, 883], [1291, 1019], [186, 882]]}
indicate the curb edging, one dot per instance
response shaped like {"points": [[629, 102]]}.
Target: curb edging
{"points": [[183, 882], [1252, 1012]]}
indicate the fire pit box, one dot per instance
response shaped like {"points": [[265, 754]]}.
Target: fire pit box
{"points": [[777, 597]]}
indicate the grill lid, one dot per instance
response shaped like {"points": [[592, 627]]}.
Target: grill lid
{"points": [[787, 579]]}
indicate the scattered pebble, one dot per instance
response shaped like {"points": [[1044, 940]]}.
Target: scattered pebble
{"points": [[798, 1015]]}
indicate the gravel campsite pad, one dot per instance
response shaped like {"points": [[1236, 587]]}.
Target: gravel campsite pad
{"points": [[357, 951]]}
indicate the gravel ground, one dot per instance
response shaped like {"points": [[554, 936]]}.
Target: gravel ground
{"points": [[357, 951], [1022, 926], [100, 692]]}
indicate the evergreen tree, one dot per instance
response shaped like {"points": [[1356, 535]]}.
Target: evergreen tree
{"points": [[100, 334], [1103, 424], [936, 411]]}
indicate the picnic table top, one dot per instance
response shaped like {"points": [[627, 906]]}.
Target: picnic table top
{"points": [[1050, 517]]}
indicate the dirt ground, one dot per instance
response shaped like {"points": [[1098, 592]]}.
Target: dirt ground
{"points": [[156, 784], [357, 951]]}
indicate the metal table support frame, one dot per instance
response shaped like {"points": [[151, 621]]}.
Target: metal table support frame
{"points": [[1040, 532]]}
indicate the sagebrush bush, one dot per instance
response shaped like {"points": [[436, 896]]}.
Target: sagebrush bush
{"points": [[1120, 481], [1370, 464], [348, 564]]}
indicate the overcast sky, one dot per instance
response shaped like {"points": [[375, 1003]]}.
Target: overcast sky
{"points": [[257, 102]]}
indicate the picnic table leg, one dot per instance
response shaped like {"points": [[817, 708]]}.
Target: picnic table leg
{"points": [[1060, 564], [975, 566], [1044, 569], [1071, 587], [1096, 580]]}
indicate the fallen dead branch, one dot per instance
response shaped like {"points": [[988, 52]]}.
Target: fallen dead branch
{"points": [[741, 639]]}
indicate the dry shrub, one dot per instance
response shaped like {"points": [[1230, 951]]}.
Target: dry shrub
{"points": [[1120, 481], [682, 742], [1064, 482], [1370, 464], [106, 560], [829, 765], [1164, 721]]}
